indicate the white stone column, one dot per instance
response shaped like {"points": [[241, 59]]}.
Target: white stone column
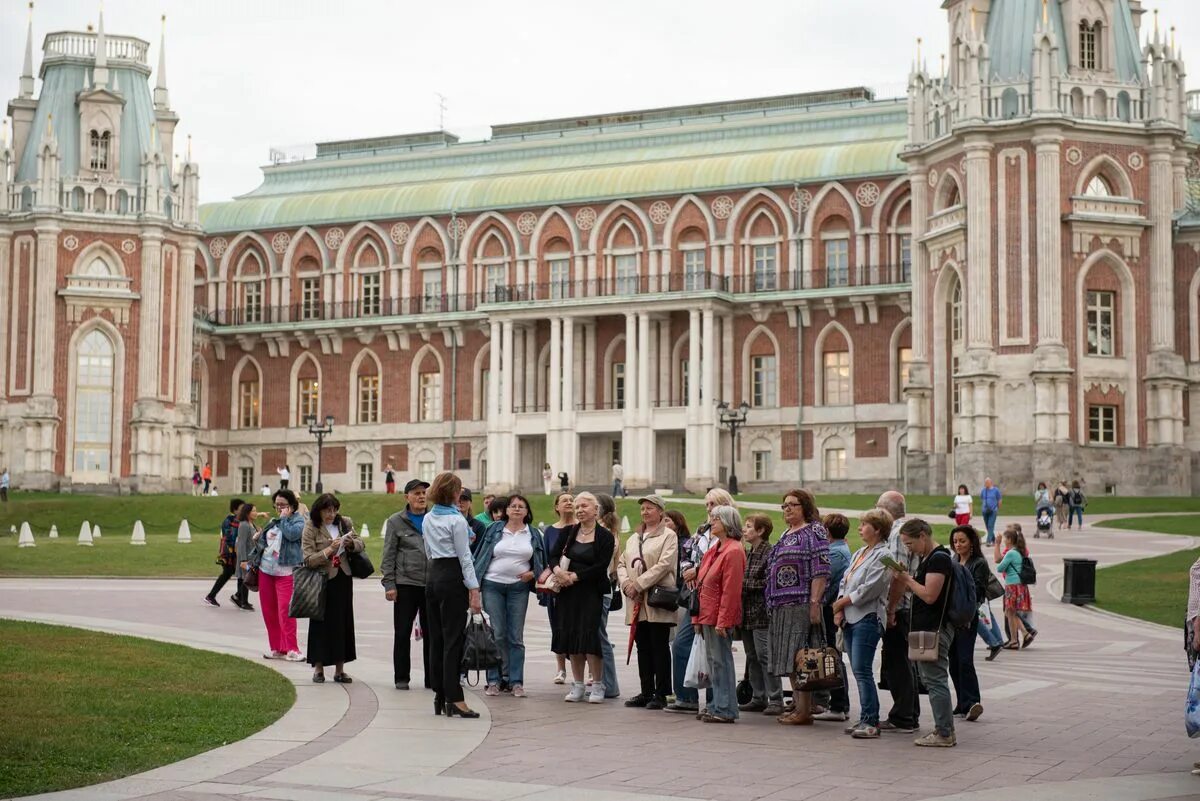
{"points": [[507, 371], [1162, 256], [7, 321], [45, 276], [693, 382], [644, 461], [567, 437], [979, 245], [590, 394], [631, 368], [530, 360], [708, 393], [728, 358], [665, 368], [493, 398], [554, 390], [1049, 240]]}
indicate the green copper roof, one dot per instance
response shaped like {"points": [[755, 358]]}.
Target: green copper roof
{"points": [[1011, 27], [592, 166]]}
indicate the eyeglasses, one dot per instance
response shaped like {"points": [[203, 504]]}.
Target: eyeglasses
{"points": [[283, 506], [786, 506]]}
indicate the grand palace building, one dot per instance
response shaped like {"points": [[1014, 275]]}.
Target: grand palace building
{"points": [[998, 274]]}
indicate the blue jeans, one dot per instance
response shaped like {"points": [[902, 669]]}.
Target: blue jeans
{"points": [[719, 653], [611, 688], [861, 640], [506, 605], [681, 649], [992, 636], [1075, 510], [618, 488], [989, 520]]}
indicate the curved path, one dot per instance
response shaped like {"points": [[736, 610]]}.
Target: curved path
{"points": [[1091, 711]]}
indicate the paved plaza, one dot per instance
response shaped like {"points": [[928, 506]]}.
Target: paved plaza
{"points": [[1092, 711]]}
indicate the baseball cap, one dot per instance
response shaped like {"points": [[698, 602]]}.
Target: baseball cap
{"points": [[415, 484], [465, 495], [654, 499]]}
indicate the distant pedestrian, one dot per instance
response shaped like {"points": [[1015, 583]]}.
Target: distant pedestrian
{"points": [[1076, 502], [618, 480], [389, 479], [1041, 499], [196, 480], [276, 554], [4, 485], [990, 498], [227, 554], [484, 515], [206, 475], [285, 476], [547, 479], [962, 506], [564, 482], [265, 491], [1061, 503]]}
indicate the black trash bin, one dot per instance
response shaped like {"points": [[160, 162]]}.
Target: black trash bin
{"points": [[1079, 581]]}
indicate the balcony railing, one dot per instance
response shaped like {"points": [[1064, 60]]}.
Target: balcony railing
{"points": [[650, 287]]}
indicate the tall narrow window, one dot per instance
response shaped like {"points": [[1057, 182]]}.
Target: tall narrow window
{"points": [[366, 477], [835, 464], [905, 258], [246, 480], [1087, 46], [837, 262], [248, 404], [306, 478], [837, 378], [368, 399], [426, 469], [683, 382], [903, 362], [560, 279], [956, 390], [956, 314], [431, 289], [1101, 309], [497, 279], [99, 145], [762, 465], [372, 286], [762, 371], [1102, 425], [1098, 187], [485, 389], [627, 278], [252, 302], [766, 276], [310, 298], [614, 451], [693, 269], [431, 397], [618, 385], [309, 401], [93, 404]]}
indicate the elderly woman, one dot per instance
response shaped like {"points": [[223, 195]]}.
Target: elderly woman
{"points": [[276, 554], [719, 583], [691, 552], [649, 560], [861, 611], [327, 542], [767, 691], [581, 559], [797, 572], [507, 560]]}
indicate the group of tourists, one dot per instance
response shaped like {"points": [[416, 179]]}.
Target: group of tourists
{"points": [[1059, 508]]}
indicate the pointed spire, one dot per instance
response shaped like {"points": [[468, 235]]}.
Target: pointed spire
{"points": [[161, 98], [27, 69], [100, 73], [1045, 13], [189, 150]]}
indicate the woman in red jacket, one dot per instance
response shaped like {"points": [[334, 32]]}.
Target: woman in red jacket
{"points": [[720, 580]]}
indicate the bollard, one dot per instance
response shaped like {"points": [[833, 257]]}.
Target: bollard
{"points": [[26, 538], [85, 534], [139, 534]]}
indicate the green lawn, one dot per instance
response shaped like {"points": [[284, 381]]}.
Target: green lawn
{"points": [[939, 505], [1181, 524], [1154, 589], [85, 707]]}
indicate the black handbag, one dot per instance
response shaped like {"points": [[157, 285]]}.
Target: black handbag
{"points": [[250, 578], [659, 597], [689, 599], [308, 593], [616, 597], [360, 565], [745, 692], [480, 651]]}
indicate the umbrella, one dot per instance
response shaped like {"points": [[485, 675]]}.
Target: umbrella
{"points": [[637, 611]]}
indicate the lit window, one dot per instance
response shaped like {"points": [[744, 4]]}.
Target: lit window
{"points": [[904, 362], [835, 463], [306, 478], [252, 302], [309, 400], [372, 286], [368, 399], [1101, 310], [693, 269], [762, 465], [905, 258], [560, 279], [310, 298], [93, 404], [762, 371], [1102, 425], [246, 480], [837, 378], [430, 398], [956, 314], [837, 262], [248, 404], [1087, 45], [618, 385], [627, 278], [683, 380], [366, 477], [766, 276], [431, 289]]}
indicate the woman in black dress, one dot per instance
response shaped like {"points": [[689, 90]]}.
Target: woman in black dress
{"points": [[326, 543], [588, 549]]}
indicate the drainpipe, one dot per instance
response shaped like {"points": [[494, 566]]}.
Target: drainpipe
{"points": [[800, 394]]}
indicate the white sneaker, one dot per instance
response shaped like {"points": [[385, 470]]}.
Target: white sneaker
{"points": [[840, 717], [294, 656], [596, 696], [576, 694], [560, 677]]}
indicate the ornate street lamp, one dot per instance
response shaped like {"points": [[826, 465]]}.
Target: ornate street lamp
{"points": [[320, 432], [734, 417]]}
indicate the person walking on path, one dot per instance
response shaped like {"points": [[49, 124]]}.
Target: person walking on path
{"points": [[196, 480], [327, 542], [835, 703], [564, 507], [403, 577], [1061, 503], [897, 673], [389, 479], [930, 587], [608, 519], [451, 589], [247, 535], [276, 554], [860, 609], [990, 498], [285, 476], [755, 628], [547, 479], [1041, 500], [1076, 501], [649, 560], [720, 586], [227, 555], [1017, 602], [797, 572], [588, 548], [964, 542], [508, 557], [962, 506], [206, 474], [5, 481], [618, 480]]}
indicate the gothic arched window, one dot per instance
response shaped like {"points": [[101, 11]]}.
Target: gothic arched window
{"points": [[99, 146], [1088, 54]]}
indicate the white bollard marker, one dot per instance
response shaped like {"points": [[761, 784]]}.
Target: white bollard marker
{"points": [[85, 534], [185, 533], [96, 531], [139, 534], [53, 532], [625, 529], [26, 538], [365, 533]]}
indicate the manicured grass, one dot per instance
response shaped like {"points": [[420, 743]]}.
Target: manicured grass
{"points": [[1180, 524], [1154, 589], [1014, 503], [84, 707]]}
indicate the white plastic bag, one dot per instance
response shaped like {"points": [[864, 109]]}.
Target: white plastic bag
{"points": [[696, 675], [1191, 712]]}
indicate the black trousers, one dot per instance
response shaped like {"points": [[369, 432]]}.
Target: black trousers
{"points": [[962, 668], [283, 483], [654, 658], [227, 572], [409, 606], [446, 604], [898, 674]]}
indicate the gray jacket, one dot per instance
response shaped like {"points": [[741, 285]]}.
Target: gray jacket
{"points": [[246, 535], [867, 587], [404, 558]]}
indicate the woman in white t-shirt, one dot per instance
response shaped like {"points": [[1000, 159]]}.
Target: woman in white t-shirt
{"points": [[962, 506], [510, 556], [285, 475]]}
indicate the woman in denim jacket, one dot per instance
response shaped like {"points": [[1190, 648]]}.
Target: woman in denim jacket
{"points": [[276, 552]]}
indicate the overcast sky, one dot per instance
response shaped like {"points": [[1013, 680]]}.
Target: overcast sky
{"points": [[250, 75]]}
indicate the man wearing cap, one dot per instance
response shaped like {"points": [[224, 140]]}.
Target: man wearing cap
{"points": [[475, 524], [649, 560], [404, 579]]}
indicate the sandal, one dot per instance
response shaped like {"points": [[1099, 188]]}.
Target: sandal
{"points": [[342, 678], [717, 719], [318, 678]]}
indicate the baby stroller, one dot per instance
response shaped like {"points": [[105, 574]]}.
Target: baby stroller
{"points": [[1045, 523]]}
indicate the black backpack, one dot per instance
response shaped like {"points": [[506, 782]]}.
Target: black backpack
{"points": [[1028, 571], [1076, 497]]}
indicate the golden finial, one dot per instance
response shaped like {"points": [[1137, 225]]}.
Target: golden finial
{"points": [[1156, 22], [972, 21], [1045, 13], [90, 28]]}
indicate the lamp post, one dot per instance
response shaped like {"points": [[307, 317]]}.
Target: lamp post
{"points": [[734, 417], [320, 432]]}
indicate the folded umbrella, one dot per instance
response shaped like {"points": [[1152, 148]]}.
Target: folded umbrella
{"points": [[637, 611]]}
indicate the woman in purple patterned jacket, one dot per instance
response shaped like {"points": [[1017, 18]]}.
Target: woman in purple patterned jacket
{"points": [[797, 571]]}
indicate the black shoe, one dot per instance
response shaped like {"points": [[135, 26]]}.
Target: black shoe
{"points": [[318, 678], [454, 709], [993, 652], [342, 678], [639, 701], [249, 607], [439, 704], [655, 703]]}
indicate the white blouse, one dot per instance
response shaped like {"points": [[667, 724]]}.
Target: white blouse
{"points": [[511, 557], [962, 504]]}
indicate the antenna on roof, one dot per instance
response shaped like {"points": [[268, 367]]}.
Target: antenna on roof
{"points": [[441, 111]]}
